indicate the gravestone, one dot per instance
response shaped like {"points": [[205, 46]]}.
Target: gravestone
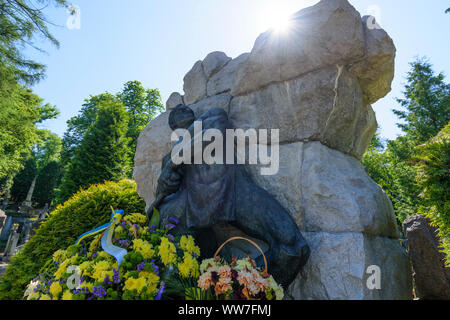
{"points": [[431, 277], [13, 240], [3, 218], [315, 83]]}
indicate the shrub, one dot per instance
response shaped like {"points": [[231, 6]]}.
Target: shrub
{"points": [[86, 210], [433, 161]]}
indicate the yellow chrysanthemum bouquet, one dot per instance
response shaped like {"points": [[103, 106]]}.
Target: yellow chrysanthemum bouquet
{"points": [[156, 266]]}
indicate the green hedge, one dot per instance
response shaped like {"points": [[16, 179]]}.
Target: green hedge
{"points": [[84, 211]]}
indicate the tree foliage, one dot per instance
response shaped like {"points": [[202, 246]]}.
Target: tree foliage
{"points": [[23, 180], [46, 184], [78, 125], [103, 152], [433, 166], [47, 151], [20, 113], [20, 22], [426, 110], [141, 104], [427, 103]]}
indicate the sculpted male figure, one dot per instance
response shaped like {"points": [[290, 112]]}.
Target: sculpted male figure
{"points": [[202, 195]]}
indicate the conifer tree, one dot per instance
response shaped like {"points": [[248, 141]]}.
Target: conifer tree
{"points": [[103, 154], [425, 112], [426, 103]]}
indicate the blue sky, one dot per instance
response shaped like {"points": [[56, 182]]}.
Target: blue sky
{"points": [[157, 42]]}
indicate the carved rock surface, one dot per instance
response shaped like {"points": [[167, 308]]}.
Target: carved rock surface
{"points": [[146, 177], [286, 185], [214, 62], [376, 70], [195, 84], [325, 190], [327, 34], [431, 278], [325, 105], [337, 268], [154, 141], [219, 101], [174, 100], [223, 80], [340, 197]]}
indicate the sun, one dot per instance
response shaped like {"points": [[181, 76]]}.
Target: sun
{"points": [[275, 17], [278, 20]]}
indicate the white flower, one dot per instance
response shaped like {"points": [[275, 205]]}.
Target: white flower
{"points": [[243, 265], [208, 264], [30, 292], [279, 293]]}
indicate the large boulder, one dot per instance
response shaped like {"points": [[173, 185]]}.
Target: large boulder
{"points": [[224, 79], [174, 100], [340, 268], [431, 277], [195, 84], [376, 70], [327, 34], [219, 101], [325, 105], [327, 191], [316, 85], [214, 62]]}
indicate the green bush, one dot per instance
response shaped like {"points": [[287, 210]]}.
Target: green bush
{"points": [[86, 210], [433, 164]]}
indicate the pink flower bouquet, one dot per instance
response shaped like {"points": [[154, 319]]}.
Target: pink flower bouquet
{"points": [[238, 280]]}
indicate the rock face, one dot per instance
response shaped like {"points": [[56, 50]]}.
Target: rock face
{"points": [[376, 70], [431, 278], [327, 34], [214, 62], [338, 268], [174, 100], [195, 84], [343, 123], [315, 84]]}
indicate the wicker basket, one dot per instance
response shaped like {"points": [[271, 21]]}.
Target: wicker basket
{"points": [[248, 240]]}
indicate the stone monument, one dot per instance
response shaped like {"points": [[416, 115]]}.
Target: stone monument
{"points": [[202, 196], [13, 240], [431, 277], [315, 83]]}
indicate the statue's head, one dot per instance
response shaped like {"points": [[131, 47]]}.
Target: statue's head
{"points": [[181, 117]]}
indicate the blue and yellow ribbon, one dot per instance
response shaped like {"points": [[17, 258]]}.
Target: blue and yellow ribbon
{"points": [[117, 252]]}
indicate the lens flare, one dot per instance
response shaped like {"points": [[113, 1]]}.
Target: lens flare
{"points": [[278, 20]]}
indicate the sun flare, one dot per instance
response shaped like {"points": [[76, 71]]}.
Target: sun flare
{"points": [[275, 17], [279, 21]]}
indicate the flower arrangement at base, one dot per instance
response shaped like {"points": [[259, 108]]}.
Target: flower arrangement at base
{"points": [[156, 266], [238, 280]]}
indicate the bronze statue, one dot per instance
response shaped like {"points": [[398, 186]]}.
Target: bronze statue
{"points": [[202, 195]]}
